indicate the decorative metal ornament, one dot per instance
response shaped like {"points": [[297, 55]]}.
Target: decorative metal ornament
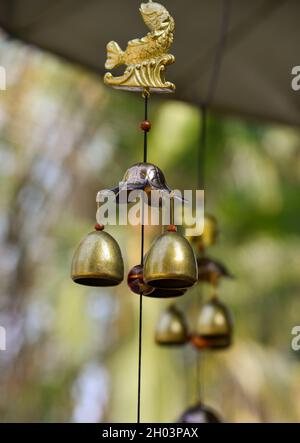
{"points": [[172, 329], [146, 58], [98, 261], [171, 263], [214, 326], [142, 177], [199, 414], [210, 271], [136, 281]]}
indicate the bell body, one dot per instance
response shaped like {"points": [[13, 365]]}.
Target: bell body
{"points": [[211, 231], [199, 414], [209, 236], [214, 326], [172, 329], [98, 261], [171, 263]]}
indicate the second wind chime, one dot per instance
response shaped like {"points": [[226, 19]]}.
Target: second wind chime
{"points": [[170, 268]]}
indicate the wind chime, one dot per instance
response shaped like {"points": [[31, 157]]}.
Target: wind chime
{"points": [[170, 267], [213, 329]]}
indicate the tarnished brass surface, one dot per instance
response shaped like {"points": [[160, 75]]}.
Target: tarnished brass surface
{"points": [[146, 58], [200, 414], [98, 261], [214, 326], [172, 329], [171, 263]]}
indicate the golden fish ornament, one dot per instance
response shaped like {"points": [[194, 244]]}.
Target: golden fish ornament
{"points": [[146, 58]]}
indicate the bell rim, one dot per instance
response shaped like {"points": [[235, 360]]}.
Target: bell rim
{"points": [[183, 282], [173, 294], [218, 342], [171, 343], [107, 281]]}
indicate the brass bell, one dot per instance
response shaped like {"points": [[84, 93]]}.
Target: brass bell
{"points": [[214, 327], [199, 414], [172, 329], [171, 263], [211, 231], [210, 271], [98, 261], [164, 293], [209, 236]]}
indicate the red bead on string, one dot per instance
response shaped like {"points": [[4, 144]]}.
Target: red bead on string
{"points": [[172, 228], [145, 126], [99, 227]]}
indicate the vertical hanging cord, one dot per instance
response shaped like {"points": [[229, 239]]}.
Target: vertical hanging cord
{"points": [[202, 148], [146, 97], [201, 185], [213, 83]]}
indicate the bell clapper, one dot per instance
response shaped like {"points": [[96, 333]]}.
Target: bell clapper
{"points": [[99, 227]]}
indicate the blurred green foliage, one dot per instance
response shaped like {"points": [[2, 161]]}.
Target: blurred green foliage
{"points": [[72, 352]]}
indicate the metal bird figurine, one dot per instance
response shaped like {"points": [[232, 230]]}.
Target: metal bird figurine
{"points": [[211, 271], [144, 177]]}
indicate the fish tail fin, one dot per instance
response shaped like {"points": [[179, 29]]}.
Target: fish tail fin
{"points": [[114, 55]]}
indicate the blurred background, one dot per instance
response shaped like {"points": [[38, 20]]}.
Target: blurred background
{"points": [[72, 351]]}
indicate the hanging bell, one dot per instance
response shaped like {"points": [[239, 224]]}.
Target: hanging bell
{"points": [[211, 231], [211, 271], [171, 262], [164, 293], [209, 236], [98, 261], [214, 327], [172, 329], [199, 414], [136, 282]]}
